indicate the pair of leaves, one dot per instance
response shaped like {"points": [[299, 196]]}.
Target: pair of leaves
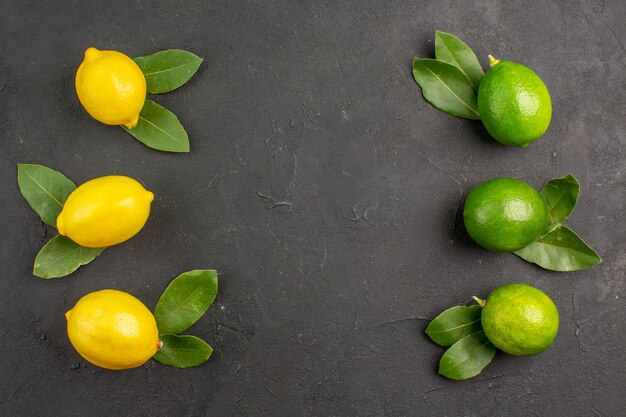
{"points": [[182, 303], [164, 71], [450, 82], [560, 249], [470, 351], [46, 190]]}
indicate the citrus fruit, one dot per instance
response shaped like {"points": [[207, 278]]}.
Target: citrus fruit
{"points": [[514, 104], [105, 211], [519, 319], [112, 329], [505, 214], [111, 87]]}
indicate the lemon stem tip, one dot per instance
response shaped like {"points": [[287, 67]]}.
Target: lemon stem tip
{"points": [[91, 53], [493, 61], [132, 123], [479, 301]]}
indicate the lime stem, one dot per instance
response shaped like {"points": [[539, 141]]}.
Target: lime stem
{"points": [[479, 301], [493, 61]]}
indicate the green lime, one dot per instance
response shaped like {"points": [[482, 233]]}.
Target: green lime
{"points": [[514, 103], [519, 319], [505, 214]]}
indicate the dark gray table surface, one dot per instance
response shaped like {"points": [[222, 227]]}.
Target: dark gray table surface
{"points": [[326, 191]]}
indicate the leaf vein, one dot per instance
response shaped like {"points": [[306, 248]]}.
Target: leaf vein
{"points": [[42, 187], [554, 245], [180, 306], [148, 121], [169, 349], [169, 69], [453, 93], [467, 358], [457, 61], [454, 328], [560, 197], [61, 257]]}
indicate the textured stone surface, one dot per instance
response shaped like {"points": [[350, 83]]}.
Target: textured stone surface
{"points": [[327, 193]]}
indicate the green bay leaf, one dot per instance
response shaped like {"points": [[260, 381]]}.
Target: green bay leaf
{"points": [[467, 357], [185, 300], [454, 51], [167, 70], [182, 351], [44, 189], [159, 129], [446, 87], [61, 256], [560, 250], [454, 324], [560, 195]]}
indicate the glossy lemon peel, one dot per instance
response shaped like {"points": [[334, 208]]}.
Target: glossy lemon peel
{"points": [[111, 87]]}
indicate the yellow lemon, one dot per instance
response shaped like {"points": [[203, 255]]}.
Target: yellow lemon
{"points": [[113, 330], [105, 211], [111, 87]]}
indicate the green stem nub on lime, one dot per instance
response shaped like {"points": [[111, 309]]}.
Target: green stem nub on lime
{"points": [[493, 61]]}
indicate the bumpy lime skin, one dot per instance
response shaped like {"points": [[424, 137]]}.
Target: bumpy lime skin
{"points": [[505, 214], [514, 104], [520, 320]]}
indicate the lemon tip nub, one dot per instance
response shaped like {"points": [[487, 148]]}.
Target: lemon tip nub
{"points": [[91, 53], [133, 122]]}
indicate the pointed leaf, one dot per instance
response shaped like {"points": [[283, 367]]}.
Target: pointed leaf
{"points": [[560, 196], [560, 250], [185, 300], [167, 70], [454, 51], [44, 189], [62, 256], [159, 129], [467, 357], [453, 324], [182, 351], [446, 87]]}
